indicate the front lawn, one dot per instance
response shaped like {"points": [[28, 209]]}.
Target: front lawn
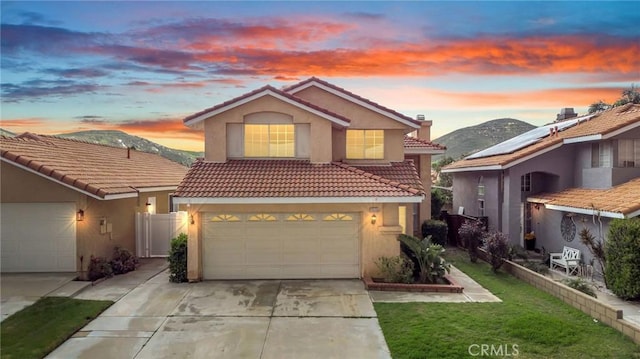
{"points": [[529, 323], [38, 329]]}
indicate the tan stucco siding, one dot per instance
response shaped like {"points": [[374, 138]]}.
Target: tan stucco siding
{"points": [[20, 186], [215, 128], [376, 240], [361, 117]]}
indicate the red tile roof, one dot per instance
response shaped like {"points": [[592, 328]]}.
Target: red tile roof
{"points": [[604, 123], [266, 89], [99, 170], [623, 199], [400, 172], [414, 144], [294, 179], [292, 88]]}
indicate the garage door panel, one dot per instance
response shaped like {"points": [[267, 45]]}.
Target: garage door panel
{"points": [[262, 246], [38, 237]]}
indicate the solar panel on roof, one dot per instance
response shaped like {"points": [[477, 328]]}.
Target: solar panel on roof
{"points": [[526, 139]]}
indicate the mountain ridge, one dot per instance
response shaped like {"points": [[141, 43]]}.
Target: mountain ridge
{"points": [[467, 140]]}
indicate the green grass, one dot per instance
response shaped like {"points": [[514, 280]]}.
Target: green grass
{"points": [[540, 325], [38, 329]]}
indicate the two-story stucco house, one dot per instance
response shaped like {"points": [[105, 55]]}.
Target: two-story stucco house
{"points": [[311, 181], [556, 179]]}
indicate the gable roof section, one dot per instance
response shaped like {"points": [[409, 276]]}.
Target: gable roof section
{"points": [[291, 181], [600, 127], [622, 201], [350, 96], [100, 171], [196, 120], [418, 146]]}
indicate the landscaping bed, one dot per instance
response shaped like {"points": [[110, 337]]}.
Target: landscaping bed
{"points": [[449, 287]]}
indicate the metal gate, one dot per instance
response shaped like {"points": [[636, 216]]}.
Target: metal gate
{"points": [[155, 231]]}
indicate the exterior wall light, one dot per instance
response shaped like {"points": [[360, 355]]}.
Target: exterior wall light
{"points": [[373, 219], [80, 215], [191, 219]]}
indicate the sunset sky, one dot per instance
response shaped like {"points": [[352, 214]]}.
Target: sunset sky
{"points": [[141, 67]]}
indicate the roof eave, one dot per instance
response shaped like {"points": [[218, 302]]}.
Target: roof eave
{"points": [[420, 151], [587, 211], [196, 122], [296, 200], [313, 82]]}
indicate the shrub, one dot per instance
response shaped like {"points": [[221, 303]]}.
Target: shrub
{"points": [[622, 251], [517, 252], [581, 285], [178, 259], [436, 229], [537, 267], [429, 258], [497, 245], [123, 261], [471, 233], [99, 267], [398, 269]]}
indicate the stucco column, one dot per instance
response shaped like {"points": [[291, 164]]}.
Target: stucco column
{"points": [[424, 133], [425, 175], [194, 249]]}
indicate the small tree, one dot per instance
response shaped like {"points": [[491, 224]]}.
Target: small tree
{"points": [[178, 259], [471, 233], [623, 258], [428, 256], [596, 247], [497, 245]]}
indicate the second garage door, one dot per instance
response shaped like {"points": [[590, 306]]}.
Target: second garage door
{"points": [[38, 237], [281, 245]]}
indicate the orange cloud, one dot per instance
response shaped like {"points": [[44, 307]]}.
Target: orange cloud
{"points": [[496, 56]]}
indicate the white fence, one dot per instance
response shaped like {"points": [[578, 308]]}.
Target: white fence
{"points": [[155, 231]]}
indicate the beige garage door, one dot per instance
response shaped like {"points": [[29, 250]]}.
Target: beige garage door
{"points": [[281, 245], [38, 237]]}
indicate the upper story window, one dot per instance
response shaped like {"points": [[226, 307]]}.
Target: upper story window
{"points": [[269, 140], [525, 182], [601, 154], [365, 144], [481, 186], [628, 153]]}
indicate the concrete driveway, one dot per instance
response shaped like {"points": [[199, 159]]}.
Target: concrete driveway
{"points": [[234, 319]]}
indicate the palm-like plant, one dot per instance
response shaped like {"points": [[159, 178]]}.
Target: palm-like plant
{"points": [[428, 256]]}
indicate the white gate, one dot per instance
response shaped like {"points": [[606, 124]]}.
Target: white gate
{"points": [[155, 231]]}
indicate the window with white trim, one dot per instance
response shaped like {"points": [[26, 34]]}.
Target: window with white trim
{"points": [[601, 155], [628, 153], [365, 144], [525, 182], [269, 140]]}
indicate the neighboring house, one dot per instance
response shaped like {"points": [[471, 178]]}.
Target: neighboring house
{"points": [[311, 181], [63, 200], [556, 180]]}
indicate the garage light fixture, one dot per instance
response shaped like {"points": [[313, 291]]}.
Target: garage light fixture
{"points": [[191, 219], [80, 215], [373, 219]]}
